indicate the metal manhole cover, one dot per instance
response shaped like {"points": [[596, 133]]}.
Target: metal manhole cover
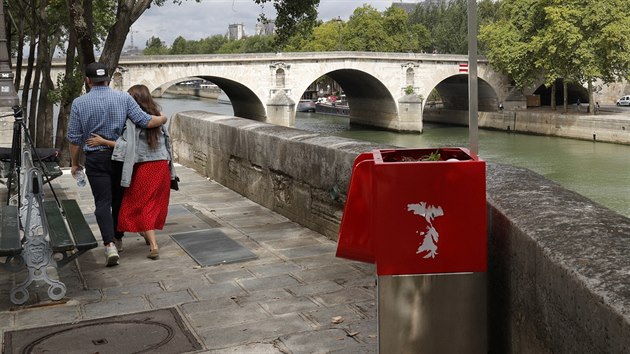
{"points": [[212, 247], [159, 331]]}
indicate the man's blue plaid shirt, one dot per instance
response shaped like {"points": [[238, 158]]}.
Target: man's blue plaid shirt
{"points": [[103, 111]]}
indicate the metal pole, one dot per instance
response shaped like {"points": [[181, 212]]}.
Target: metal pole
{"points": [[473, 95], [339, 30]]}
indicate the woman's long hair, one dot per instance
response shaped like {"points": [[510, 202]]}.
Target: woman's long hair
{"points": [[141, 94]]}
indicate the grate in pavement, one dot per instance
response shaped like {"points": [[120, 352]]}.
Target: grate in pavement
{"points": [[212, 247], [158, 331]]}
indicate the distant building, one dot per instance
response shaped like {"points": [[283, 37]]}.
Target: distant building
{"points": [[265, 29], [236, 31]]}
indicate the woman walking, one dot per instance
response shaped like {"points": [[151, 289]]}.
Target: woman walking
{"points": [[147, 172]]}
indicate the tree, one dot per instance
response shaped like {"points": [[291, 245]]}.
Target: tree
{"points": [[180, 46], [211, 44], [258, 44], [324, 38], [446, 24], [366, 31], [576, 40], [252, 44], [507, 40], [406, 37], [559, 47], [292, 17], [155, 46]]}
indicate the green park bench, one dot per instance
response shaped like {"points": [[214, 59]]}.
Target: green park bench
{"points": [[38, 229], [10, 240]]}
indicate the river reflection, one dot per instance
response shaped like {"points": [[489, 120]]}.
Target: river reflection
{"points": [[599, 171]]}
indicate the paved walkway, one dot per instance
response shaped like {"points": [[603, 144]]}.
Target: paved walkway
{"points": [[282, 302]]}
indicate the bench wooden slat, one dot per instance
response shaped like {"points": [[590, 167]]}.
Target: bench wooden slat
{"points": [[60, 238], [83, 235], [10, 244], [52, 169]]}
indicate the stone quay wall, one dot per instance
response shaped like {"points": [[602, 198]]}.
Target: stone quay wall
{"points": [[558, 263], [611, 128]]}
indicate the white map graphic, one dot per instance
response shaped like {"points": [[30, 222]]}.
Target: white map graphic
{"points": [[430, 236]]}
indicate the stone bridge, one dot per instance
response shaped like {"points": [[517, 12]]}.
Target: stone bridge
{"points": [[267, 87]]}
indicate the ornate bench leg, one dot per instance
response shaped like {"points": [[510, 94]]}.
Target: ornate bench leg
{"points": [[37, 255]]}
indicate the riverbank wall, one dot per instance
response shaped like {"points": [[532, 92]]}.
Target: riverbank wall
{"points": [[612, 128], [194, 91], [558, 263]]}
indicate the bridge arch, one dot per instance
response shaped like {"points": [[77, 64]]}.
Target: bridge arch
{"points": [[370, 101], [245, 102], [454, 93], [454, 98]]}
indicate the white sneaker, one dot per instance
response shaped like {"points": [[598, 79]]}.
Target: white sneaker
{"points": [[111, 255], [119, 244]]}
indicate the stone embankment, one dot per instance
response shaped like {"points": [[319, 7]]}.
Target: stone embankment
{"points": [[558, 262], [211, 92], [605, 127]]}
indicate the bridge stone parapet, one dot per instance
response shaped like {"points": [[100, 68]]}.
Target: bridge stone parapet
{"points": [[374, 83], [558, 262]]}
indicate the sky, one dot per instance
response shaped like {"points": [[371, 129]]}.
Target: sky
{"points": [[195, 21]]}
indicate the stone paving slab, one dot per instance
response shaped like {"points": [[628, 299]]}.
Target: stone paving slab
{"points": [[282, 302]]}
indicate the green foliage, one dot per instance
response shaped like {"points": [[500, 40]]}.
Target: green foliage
{"points": [[292, 17], [211, 44], [577, 40], [180, 46], [208, 45], [252, 44], [155, 46], [325, 37], [65, 89], [434, 156], [366, 31], [409, 90], [446, 24]]}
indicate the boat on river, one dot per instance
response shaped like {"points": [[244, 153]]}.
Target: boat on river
{"points": [[332, 106], [306, 106]]}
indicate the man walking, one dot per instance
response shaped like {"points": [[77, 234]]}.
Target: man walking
{"points": [[103, 111], [577, 105]]}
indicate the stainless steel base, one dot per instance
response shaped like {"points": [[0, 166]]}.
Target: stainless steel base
{"points": [[436, 313]]}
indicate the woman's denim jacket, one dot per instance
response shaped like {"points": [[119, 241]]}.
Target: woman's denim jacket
{"points": [[132, 147]]}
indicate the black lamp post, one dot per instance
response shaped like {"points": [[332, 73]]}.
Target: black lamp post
{"points": [[8, 96], [338, 19]]}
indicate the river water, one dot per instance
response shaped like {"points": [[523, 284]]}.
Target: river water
{"points": [[599, 171]]}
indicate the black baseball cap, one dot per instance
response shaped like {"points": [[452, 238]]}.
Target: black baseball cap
{"points": [[97, 72]]}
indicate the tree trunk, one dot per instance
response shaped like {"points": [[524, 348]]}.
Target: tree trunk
{"points": [[591, 106], [73, 86], [128, 12], [19, 27], [26, 87], [553, 96], [31, 113], [82, 25], [565, 95], [44, 114]]}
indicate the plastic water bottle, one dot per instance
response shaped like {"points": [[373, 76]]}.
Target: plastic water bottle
{"points": [[81, 178]]}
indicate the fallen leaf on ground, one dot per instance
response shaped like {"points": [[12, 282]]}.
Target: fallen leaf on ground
{"points": [[337, 319]]}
